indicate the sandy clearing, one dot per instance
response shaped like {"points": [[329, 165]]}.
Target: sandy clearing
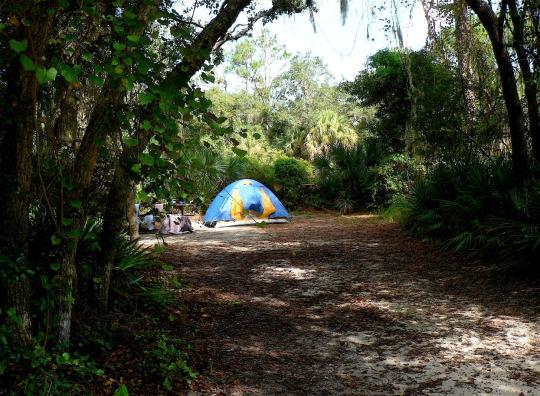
{"points": [[331, 305]]}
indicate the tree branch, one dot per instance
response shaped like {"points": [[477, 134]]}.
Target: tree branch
{"points": [[233, 36]]}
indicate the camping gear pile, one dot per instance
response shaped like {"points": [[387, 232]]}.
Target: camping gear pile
{"points": [[243, 202], [156, 218]]}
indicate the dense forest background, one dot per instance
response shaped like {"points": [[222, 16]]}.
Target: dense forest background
{"points": [[107, 103]]}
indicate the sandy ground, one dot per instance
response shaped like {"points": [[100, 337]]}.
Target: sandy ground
{"points": [[331, 305]]}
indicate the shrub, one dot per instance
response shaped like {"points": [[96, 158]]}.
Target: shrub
{"points": [[262, 171], [172, 360], [396, 175], [477, 206], [235, 168], [291, 176], [345, 175]]}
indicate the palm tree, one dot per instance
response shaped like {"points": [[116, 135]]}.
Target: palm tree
{"points": [[329, 128]]}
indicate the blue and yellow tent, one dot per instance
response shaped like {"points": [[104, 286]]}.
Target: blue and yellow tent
{"points": [[245, 201]]}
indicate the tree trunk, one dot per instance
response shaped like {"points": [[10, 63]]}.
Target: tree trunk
{"points": [[114, 220], [105, 120], [464, 40], [120, 187], [17, 129], [529, 81], [133, 220], [15, 169], [494, 28]]}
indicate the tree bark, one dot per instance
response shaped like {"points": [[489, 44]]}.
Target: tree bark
{"points": [[133, 220], [494, 28], [103, 117], [529, 81], [17, 129], [464, 39]]}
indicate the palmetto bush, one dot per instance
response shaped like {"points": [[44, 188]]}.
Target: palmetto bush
{"points": [[130, 260], [348, 173], [477, 206]]}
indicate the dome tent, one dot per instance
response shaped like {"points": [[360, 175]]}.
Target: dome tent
{"points": [[245, 201]]}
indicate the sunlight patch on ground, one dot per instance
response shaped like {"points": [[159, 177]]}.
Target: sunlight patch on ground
{"points": [[273, 302], [283, 269]]}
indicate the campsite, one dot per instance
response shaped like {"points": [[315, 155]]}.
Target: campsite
{"points": [[269, 197]]}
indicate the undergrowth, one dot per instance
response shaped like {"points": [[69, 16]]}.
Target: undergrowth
{"points": [[476, 207], [143, 307]]}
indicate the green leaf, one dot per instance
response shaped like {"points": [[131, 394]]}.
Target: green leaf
{"points": [[208, 77], [146, 125], [41, 75], [130, 14], [67, 222], [55, 266], [256, 135], [51, 74], [56, 240], [167, 384], [146, 97], [136, 168], [76, 203], [18, 46], [45, 75], [143, 196], [262, 224], [71, 74], [74, 234], [133, 38], [122, 390], [2, 27], [129, 141], [96, 80], [12, 314], [146, 159], [119, 46], [27, 63], [167, 267], [239, 152]]}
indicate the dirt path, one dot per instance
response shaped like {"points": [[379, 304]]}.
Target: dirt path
{"points": [[333, 305]]}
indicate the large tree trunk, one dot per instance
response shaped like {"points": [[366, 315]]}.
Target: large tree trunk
{"points": [[529, 80], [495, 29], [464, 40], [18, 125], [105, 120], [17, 129], [120, 190]]}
